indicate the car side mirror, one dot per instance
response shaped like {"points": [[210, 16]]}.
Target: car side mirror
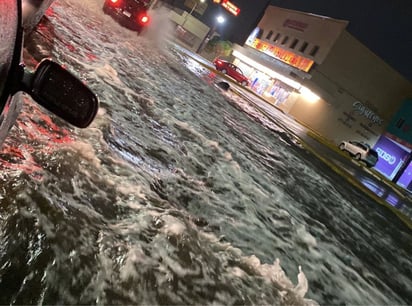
{"points": [[60, 92]]}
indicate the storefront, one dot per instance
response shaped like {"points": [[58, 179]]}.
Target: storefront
{"points": [[395, 148]]}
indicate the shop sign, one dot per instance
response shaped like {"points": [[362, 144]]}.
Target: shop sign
{"points": [[366, 112], [390, 156], [283, 55], [295, 24], [230, 7]]}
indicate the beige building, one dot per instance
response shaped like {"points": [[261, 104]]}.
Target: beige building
{"points": [[313, 69]]}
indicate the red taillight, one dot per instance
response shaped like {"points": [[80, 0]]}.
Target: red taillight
{"points": [[143, 19], [114, 1]]}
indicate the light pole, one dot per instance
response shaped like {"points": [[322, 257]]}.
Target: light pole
{"points": [[219, 20], [193, 8]]}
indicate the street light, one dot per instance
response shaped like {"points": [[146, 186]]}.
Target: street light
{"points": [[219, 20]]}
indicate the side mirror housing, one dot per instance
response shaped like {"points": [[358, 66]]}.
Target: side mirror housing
{"points": [[60, 92]]}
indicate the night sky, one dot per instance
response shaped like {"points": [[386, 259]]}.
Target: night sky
{"points": [[384, 26]]}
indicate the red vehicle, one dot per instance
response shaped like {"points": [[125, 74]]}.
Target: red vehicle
{"points": [[131, 14], [231, 70]]}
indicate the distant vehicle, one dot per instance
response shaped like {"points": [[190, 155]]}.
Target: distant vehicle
{"points": [[231, 70], [360, 151], [131, 14], [50, 85]]}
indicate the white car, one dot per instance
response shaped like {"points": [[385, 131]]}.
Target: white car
{"points": [[360, 151]]}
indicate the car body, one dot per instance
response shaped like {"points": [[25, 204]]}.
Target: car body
{"points": [[231, 70], [33, 11], [49, 84], [132, 14], [360, 151]]}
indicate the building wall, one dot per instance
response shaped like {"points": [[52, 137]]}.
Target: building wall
{"points": [[359, 93], [362, 93], [306, 28]]}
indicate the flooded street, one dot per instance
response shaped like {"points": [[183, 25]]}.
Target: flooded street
{"points": [[179, 192]]}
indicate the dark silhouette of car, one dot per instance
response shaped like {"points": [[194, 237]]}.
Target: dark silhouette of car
{"points": [[231, 70], [132, 14], [50, 85]]}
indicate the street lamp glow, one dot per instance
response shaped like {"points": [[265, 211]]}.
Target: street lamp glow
{"points": [[220, 19]]}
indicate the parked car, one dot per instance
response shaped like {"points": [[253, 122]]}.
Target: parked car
{"points": [[49, 84], [360, 151], [132, 14], [231, 70]]}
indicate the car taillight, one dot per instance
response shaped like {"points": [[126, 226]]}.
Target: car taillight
{"points": [[143, 19]]}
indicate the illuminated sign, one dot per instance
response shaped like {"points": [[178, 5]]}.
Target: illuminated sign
{"points": [[229, 6], [283, 55], [390, 156]]}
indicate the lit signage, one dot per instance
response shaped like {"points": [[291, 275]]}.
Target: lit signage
{"points": [[229, 6], [366, 112], [283, 55], [390, 156]]}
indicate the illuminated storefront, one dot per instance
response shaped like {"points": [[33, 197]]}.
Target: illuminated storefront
{"points": [[395, 148], [294, 59]]}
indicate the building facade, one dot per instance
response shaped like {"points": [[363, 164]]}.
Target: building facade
{"points": [[313, 69]]}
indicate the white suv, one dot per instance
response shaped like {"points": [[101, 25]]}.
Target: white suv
{"points": [[360, 151]]}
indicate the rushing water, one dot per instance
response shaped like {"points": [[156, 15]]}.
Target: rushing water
{"points": [[179, 193]]}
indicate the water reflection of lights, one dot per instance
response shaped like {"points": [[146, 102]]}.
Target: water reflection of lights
{"points": [[34, 135], [384, 193]]}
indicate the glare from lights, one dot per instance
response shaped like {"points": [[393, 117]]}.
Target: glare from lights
{"points": [[220, 19], [268, 71], [309, 95]]}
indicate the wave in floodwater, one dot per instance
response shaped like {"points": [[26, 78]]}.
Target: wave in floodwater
{"points": [[178, 193]]}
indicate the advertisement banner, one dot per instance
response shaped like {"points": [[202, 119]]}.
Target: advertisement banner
{"points": [[391, 156]]}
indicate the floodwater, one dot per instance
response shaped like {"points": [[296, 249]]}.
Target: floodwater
{"points": [[179, 192]]}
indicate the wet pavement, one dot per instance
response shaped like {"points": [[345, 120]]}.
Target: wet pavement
{"points": [[368, 180], [387, 193]]}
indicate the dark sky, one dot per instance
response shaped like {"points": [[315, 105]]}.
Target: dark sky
{"points": [[384, 26]]}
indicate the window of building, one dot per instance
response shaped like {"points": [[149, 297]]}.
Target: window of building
{"points": [[276, 37], [303, 47], [294, 43], [269, 35], [259, 33], [285, 40], [314, 50]]}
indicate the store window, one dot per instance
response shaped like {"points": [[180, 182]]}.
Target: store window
{"points": [[276, 37], [294, 43], [285, 40], [268, 37], [314, 50], [303, 47], [405, 180]]}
